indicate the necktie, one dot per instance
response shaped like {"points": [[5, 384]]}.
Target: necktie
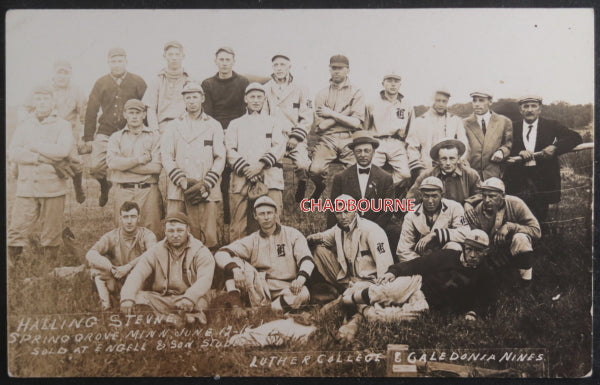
{"points": [[529, 131], [364, 170], [483, 128]]}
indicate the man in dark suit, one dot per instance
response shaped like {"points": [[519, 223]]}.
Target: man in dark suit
{"points": [[365, 180], [538, 141]]}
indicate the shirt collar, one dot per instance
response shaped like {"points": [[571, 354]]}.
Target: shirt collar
{"points": [[53, 115], [288, 79], [144, 128], [359, 167], [485, 116], [535, 124], [344, 84], [122, 77], [276, 232], [399, 97], [457, 171]]}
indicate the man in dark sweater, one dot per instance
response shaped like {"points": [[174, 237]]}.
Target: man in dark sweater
{"points": [[110, 93], [224, 101]]}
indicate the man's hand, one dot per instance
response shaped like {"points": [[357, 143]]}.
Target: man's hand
{"points": [[254, 169], [291, 144], [127, 306], [497, 157], [240, 278], [526, 155], [184, 304], [297, 284], [183, 183], [421, 246], [120, 271], [549, 151], [387, 277], [84, 147], [467, 207], [501, 234], [325, 112], [144, 158], [63, 169]]}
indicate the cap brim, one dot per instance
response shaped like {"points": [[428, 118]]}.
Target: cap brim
{"points": [[475, 244]]}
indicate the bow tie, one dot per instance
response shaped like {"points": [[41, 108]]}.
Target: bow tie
{"points": [[364, 170]]}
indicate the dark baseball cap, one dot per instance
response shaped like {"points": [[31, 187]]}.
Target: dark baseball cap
{"points": [[339, 60], [177, 216]]}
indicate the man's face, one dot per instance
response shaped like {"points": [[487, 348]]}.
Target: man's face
{"points": [[193, 101], [492, 200], [440, 103], [118, 65], [176, 233], [266, 216], [281, 68], [345, 218], [338, 73], [448, 159], [530, 111], [43, 104], [129, 220], [62, 77], [174, 57], [474, 255], [432, 200], [391, 86], [225, 62], [363, 154], [481, 104], [134, 117], [255, 100]]}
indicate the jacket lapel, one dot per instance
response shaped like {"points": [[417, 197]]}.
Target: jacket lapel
{"points": [[421, 221], [353, 181], [518, 143], [475, 128]]}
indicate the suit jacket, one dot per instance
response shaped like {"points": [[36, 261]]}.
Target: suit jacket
{"points": [[498, 136], [380, 185], [544, 177]]}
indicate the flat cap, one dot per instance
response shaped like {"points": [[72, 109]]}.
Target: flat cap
{"points": [[434, 152], [116, 52], [363, 137], [229, 50], [281, 56], [392, 74], [62, 65], [265, 201], [255, 87], [172, 44], [493, 184], [134, 104], [443, 91], [431, 183], [339, 60], [530, 98], [44, 90], [485, 94], [177, 216], [477, 238], [191, 86]]}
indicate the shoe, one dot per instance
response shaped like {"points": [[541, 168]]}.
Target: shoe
{"points": [[104, 189], [300, 191], [319, 188]]}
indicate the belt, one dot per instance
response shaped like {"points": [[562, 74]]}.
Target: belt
{"points": [[135, 185], [340, 133]]}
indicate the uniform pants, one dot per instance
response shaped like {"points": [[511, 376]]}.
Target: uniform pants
{"points": [[330, 147], [393, 152], [396, 292], [242, 220], [98, 166], [26, 212], [299, 157], [106, 284], [165, 304], [520, 243], [150, 202], [203, 218]]}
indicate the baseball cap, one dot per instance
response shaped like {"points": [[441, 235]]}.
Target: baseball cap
{"points": [[443, 91], [134, 104], [530, 98], [116, 52], [45, 90], [265, 201], [172, 44], [281, 56], [392, 74], [493, 184], [254, 86], [482, 93], [477, 238], [229, 50], [339, 60], [177, 216], [62, 65], [431, 183], [191, 86]]}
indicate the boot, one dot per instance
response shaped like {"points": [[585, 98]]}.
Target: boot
{"points": [[300, 190], [78, 185], [14, 254], [104, 189], [319, 188]]}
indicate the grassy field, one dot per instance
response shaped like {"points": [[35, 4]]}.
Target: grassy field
{"points": [[554, 316]]}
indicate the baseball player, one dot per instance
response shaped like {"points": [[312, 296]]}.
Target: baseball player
{"points": [[509, 223], [271, 265], [255, 146], [288, 103], [117, 252], [339, 111], [390, 118], [435, 223], [193, 155], [39, 147], [489, 135], [172, 277], [430, 128], [109, 94], [133, 158]]}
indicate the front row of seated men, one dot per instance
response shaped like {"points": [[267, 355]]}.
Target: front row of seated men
{"points": [[446, 260]]}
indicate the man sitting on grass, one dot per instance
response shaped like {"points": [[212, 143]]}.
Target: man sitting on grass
{"points": [[178, 272], [118, 251]]}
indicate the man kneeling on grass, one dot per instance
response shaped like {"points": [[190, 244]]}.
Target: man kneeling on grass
{"points": [[449, 280], [270, 265], [178, 272], [118, 251]]}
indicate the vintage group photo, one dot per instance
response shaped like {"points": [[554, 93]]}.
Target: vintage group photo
{"points": [[299, 193]]}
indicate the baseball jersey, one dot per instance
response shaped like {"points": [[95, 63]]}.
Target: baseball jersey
{"points": [[391, 117], [344, 98], [113, 246], [164, 95], [123, 151]]}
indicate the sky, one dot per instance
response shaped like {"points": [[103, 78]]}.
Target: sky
{"points": [[510, 52]]}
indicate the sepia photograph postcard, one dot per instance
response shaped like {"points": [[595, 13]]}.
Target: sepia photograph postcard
{"points": [[300, 192]]}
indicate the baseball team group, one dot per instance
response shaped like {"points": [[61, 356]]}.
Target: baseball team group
{"points": [[185, 157]]}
